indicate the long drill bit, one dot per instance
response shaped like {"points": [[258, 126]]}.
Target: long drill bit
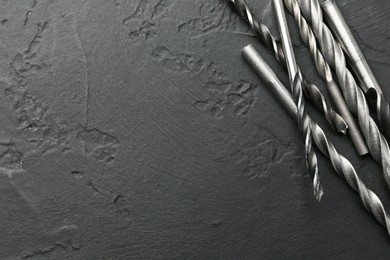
{"points": [[297, 93], [358, 63], [340, 164], [311, 91], [325, 72], [334, 56]]}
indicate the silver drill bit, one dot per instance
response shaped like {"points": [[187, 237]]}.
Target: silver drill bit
{"points": [[296, 89], [353, 95], [325, 72], [310, 90], [340, 164], [358, 63]]}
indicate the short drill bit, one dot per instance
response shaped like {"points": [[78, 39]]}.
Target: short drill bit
{"points": [[334, 56], [358, 63], [311, 91], [325, 72], [340, 164], [297, 93]]}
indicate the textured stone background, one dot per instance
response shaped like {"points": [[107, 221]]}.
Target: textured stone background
{"points": [[134, 129]]}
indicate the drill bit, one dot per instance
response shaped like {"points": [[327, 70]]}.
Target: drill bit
{"points": [[311, 91], [358, 63], [334, 56], [325, 72], [296, 89], [340, 164], [382, 109]]}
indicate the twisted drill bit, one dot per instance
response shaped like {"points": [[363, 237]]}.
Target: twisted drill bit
{"points": [[325, 72], [305, 128], [340, 164], [311, 91], [334, 56], [297, 93], [382, 109], [358, 63]]}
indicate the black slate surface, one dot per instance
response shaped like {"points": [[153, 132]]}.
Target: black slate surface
{"points": [[133, 129]]}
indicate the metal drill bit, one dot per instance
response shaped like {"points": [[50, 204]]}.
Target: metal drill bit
{"points": [[382, 109], [358, 62], [310, 90], [340, 164], [296, 89], [353, 95], [325, 72]]}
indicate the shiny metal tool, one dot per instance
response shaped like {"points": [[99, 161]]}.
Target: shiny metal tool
{"points": [[297, 93], [340, 164], [358, 62], [310, 90], [334, 56], [325, 72]]}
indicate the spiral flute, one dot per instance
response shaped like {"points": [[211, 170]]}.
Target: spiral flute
{"points": [[304, 124], [382, 109], [358, 63], [340, 164], [325, 72], [311, 91], [354, 97]]}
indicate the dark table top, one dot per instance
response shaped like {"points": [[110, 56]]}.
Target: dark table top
{"points": [[134, 129]]}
